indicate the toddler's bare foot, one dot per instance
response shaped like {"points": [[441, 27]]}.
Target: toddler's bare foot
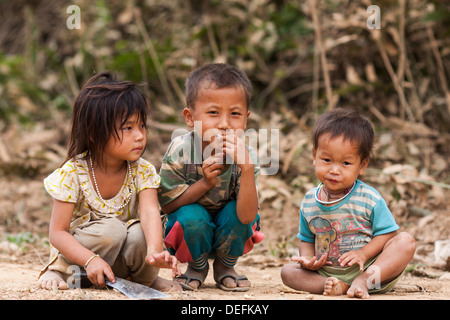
{"points": [[334, 287], [52, 280], [358, 289]]}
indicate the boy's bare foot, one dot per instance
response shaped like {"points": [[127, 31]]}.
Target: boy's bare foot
{"points": [[334, 287], [165, 285], [52, 280], [358, 289], [228, 279], [192, 278]]}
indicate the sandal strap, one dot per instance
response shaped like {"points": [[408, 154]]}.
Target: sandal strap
{"points": [[188, 280], [236, 278]]}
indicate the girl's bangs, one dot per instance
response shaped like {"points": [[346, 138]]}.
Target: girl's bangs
{"points": [[130, 103]]}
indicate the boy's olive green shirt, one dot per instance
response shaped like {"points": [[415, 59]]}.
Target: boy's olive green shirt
{"points": [[182, 167]]}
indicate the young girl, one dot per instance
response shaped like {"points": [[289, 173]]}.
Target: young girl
{"points": [[105, 215]]}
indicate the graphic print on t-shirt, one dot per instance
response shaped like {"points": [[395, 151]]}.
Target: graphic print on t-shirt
{"points": [[325, 235]]}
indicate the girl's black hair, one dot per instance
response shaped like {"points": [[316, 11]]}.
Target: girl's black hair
{"points": [[103, 105]]}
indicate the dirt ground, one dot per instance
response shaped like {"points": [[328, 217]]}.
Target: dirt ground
{"points": [[20, 264], [18, 280]]}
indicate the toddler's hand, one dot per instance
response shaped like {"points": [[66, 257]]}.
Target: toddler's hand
{"points": [[311, 263], [351, 257], [164, 260]]}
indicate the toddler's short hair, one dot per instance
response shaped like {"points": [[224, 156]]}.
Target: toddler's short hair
{"points": [[220, 75], [348, 123]]}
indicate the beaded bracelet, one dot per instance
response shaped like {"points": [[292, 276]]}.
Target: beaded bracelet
{"points": [[89, 260]]}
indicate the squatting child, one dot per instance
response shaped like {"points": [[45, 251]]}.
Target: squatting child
{"points": [[208, 180], [105, 215], [349, 238]]}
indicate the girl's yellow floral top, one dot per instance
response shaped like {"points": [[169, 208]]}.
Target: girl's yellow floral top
{"points": [[72, 183]]}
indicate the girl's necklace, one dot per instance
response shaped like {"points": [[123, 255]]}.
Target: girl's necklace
{"points": [[322, 186], [100, 196]]}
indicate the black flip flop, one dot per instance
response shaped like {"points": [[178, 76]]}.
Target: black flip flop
{"points": [[188, 280], [220, 285]]}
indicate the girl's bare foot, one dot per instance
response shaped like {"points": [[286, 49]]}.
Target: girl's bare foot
{"points": [[334, 287], [358, 289], [52, 280], [166, 285]]}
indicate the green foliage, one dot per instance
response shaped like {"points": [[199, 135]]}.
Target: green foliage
{"points": [[272, 41], [22, 238], [291, 25], [21, 99]]}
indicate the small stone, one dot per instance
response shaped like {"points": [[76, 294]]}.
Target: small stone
{"points": [[8, 247]]}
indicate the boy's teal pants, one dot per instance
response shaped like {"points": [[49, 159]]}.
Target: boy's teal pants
{"points": [[193, 235]]}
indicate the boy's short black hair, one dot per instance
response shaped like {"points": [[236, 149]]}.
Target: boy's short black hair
{"points": [[348, 123], [220, 75]]}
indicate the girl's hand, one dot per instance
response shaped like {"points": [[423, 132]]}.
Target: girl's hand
{"points": [[311, 263], [164, 260], [96, 271], [351, 257]]}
